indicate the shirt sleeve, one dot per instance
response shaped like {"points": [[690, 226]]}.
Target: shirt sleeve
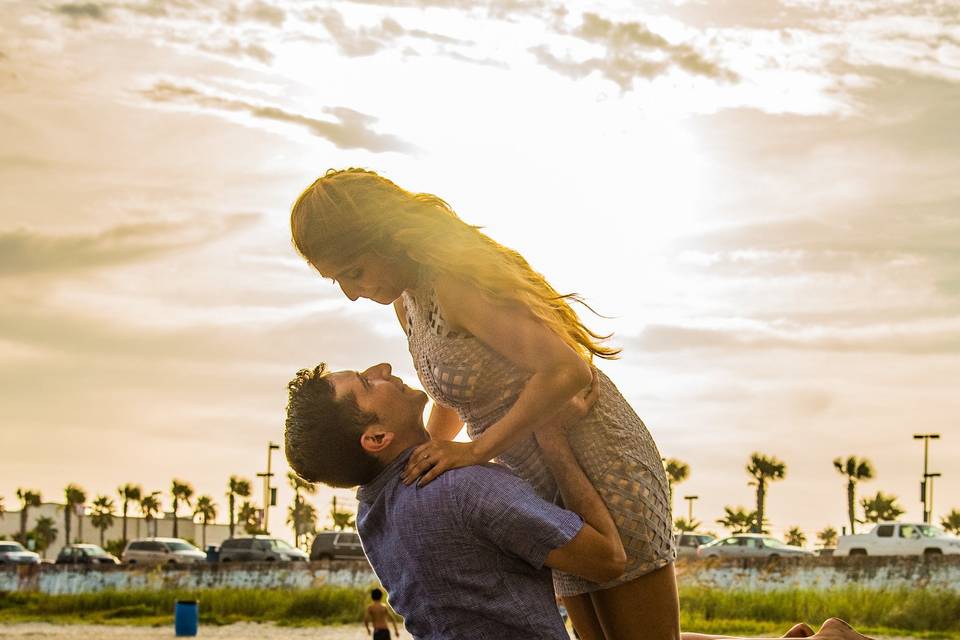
{"points": [[499, 507]]}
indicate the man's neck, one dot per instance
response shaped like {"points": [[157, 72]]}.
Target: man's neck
{"points": [[403, 442]]}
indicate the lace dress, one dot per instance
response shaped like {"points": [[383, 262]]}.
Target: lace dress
{"points": [[611, 443]]}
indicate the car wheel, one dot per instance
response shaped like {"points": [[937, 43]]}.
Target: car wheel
{"points": [[227, 560], [325, 556], [858, 552], [933, 552], [774, 555]]}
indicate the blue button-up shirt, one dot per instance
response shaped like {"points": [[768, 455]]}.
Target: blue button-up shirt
{"points": [[463, 556]]}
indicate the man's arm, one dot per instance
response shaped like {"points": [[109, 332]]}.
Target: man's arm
{"points": [[367, 619], [596, 552]]}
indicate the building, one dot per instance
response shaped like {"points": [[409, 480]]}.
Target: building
{"points": [[82, 530]]}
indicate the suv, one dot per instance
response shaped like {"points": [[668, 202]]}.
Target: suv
{"points": [[688, 543], [85, 554], [336, 545], [14, 553], [171, 551], [259, 549]]}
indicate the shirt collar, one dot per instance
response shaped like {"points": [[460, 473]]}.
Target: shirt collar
{"points": [[372, 490]]}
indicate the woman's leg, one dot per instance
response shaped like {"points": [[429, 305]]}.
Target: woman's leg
{"points": [[584, 618], [646, 607]]}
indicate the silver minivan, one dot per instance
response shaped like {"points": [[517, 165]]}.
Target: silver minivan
{"points": [[259, 549], [169, 551]]}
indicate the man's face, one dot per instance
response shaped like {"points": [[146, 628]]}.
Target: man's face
{"points": [[398, 407]]}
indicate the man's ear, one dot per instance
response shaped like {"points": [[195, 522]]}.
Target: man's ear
{"points": [[375, 439]]}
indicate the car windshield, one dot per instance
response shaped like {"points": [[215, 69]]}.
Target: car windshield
{"points": [[93, 550], [930, 531], [7, 547], [773, 542], [179, 546]]}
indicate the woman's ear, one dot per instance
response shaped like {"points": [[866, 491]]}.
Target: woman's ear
{"points": [[375, 439]]}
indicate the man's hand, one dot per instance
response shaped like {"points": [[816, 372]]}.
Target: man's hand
{"points": [[554, 430], [432, 458]]}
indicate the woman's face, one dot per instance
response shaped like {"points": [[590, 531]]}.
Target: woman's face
{"points": [[371, 276]]}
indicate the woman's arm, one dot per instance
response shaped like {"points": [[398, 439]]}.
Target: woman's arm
{"points": [[444, 423], [558, 373]]}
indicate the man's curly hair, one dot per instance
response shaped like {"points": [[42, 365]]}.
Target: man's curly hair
{"points": [[322, 435]]}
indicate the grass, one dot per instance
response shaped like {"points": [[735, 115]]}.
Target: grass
{"points": [[918, 613]]}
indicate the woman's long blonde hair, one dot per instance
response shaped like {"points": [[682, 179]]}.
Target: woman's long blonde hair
{"points": [[349, 212]]}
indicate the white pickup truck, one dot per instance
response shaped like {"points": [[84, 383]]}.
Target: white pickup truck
{"points": [[899, 539]]}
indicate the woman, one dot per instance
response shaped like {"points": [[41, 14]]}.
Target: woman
{"points": [[500, 350]]}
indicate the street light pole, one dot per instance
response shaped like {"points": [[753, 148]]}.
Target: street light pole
{"points": [[268, 498], [927, 503], [690, 500]]}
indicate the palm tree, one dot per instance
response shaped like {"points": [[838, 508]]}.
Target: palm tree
{"points": [[300, 513], [855, 469], [738, 520], [764, 469], [950, 522], [128, 493], [677, 472], [796, 537], [44, 533], [302, 516], [150, 508], [2, 508], [28, 498], [180, 490], [206, 510], [827, 537], [341, 519], [683, 525], [73, 496], [237, 487], [881, 508], [101, 516], [248, 517]]}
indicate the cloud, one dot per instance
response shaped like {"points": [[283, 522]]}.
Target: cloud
{"points": [[81, 11], [351, 131], [258, 11], [366, 41], [23, 251], [903, 338], [632, 51], [236, 49]]}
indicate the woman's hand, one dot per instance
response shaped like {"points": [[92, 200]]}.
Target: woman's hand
{"points": [[432, 458]]}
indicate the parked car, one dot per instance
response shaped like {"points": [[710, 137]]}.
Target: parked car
{"points": [[750, 545], [172, 551], [85, 554], [337, 545], [899, 539], [688, 543], [259, 549], [14, 553]]}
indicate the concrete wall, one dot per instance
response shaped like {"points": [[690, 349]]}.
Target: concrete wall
{"points": [[64, 579], [895, 572], [759, 575]]}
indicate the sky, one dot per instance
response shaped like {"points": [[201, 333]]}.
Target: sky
{"points": [[760, 198]]}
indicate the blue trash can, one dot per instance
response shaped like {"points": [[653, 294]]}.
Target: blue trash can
{"points": [[186, 617]]}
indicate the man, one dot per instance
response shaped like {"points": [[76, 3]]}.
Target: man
{"points": [[462, 557], [466, 555]]}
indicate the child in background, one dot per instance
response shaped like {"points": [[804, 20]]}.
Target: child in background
{"points": [[378, 615]]}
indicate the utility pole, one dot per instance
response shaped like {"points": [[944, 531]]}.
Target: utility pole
{"points": [[690, 500], [269, 493], [924, 490]]}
